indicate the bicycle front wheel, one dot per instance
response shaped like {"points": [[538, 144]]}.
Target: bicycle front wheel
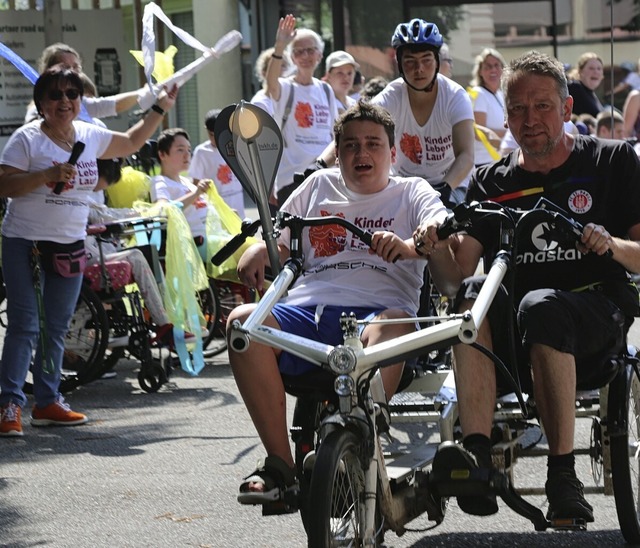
{"points": [[336, 494]]}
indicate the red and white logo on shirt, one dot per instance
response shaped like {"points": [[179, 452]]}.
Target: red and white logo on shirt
{"points": [[580, 201]]}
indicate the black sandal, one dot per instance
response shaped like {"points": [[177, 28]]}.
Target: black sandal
{"points": [[276, 477]]}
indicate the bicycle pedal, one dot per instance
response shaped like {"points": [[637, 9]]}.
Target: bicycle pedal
{"points": [[278, 508], [568, 524]]}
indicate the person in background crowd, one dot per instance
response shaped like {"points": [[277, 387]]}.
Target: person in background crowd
{"points": [[305, 106], [631, 115], [261, 99], [43, 236], [585, 79], [446, 61], [631, 80], [434, 118], [208, 163], [488, 105], [358, 83], [340, 75], [587, 120], [174, 153], [109, 173], [373, 86], [97, 107], [610, 125]]}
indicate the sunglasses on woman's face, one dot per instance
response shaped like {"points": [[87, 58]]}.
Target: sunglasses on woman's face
{"points": [[57, 94]]}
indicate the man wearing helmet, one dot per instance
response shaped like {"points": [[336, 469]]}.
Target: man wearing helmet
{"points": [[433, 114]]}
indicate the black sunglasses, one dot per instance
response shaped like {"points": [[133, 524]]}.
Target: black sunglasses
{"points": [[57, 94]]}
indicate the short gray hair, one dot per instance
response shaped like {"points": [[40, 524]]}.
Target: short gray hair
{"points": [[306, 33], [540, 64]]}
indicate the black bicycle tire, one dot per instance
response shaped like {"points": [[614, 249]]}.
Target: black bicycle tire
{"points": [[306, 419], [623, 479], [328, 495]]}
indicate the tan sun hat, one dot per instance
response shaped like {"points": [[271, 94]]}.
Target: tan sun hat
{"points": [[340, 58]]}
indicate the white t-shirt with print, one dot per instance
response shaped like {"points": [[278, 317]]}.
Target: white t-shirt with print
{"points": [[426, 151], [308, 129], [493, 106], [163, 188], [262, 100], [338, 267], [208, 163], [41, 214]]}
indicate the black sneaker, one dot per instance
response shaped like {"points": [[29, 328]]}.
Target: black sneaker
{"points": [[566, 497], [455, 458]]}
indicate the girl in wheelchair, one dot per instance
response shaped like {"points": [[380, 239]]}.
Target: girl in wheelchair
{"points": [[114, 253]]}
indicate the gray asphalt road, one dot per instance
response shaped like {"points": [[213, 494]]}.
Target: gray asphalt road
{"points": [[162, 470]]}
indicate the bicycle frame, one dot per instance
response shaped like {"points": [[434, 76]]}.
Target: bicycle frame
{"points": [[352, 363]]}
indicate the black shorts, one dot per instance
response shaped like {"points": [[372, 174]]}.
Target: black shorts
{"points": [[586, 324]]}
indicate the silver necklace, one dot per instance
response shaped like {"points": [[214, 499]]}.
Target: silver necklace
{"points": [[70, 145]]}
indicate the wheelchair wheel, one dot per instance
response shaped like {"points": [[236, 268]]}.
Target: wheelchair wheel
{"points": [[85, 343], [624, 425], [231, 295], [335, 513], [213, 344]]}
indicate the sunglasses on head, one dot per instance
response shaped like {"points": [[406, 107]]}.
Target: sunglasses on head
{"points": [[57, 94]]}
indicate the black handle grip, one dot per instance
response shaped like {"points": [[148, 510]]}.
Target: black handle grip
{"points": [[249, 228], [77, 149]]}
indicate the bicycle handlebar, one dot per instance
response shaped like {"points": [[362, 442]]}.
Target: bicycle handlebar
{"points": [[294, 222], [285, 220], [248, 228], [466, 215]]}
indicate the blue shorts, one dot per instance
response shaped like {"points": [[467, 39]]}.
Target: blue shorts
{"points": [[301, 321]]}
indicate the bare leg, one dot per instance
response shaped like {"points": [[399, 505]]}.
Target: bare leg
{"points": [[554, 387], [376, 333], [475, 384], [258, 378]]}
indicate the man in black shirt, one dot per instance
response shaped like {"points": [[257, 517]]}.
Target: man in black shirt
{"points": [[571, 303]]}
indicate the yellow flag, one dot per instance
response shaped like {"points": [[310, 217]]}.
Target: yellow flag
{"points": [[163, 67]]}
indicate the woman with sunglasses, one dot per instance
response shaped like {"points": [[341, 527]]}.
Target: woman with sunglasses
{"points": [[304, 107], [43, 237]]}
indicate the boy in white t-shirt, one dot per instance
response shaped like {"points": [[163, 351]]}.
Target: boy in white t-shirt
{"points": [[340, 274], [208, 163]]}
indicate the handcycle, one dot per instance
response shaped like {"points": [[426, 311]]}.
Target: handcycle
{"points": [[350, 490]]}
